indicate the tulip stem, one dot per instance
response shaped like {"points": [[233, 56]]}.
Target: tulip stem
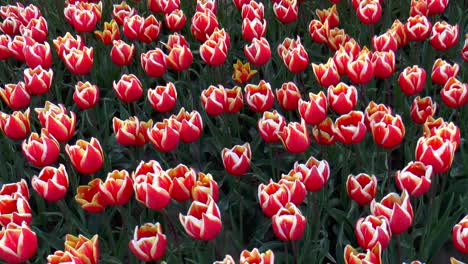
{"points": [[316, 215], [286, 252], [398, 248], [365, 100], [241, 215], [294, 250], [171, 226]]}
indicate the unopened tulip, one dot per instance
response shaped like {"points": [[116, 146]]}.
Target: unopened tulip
{"points": [[258, 52], [445, 130], [121, 11], [412, 80], [362, 188], [214, 100], [179, 58], [459, 235], [151, 185], [15, 96], [385, 42], [63, 45], [131, 132], [237, 160], [442, 71], [437, 152], [84, 248], [286, 11], [361, 70], [254, 256], [16, 125], [294, 55], [20, 187], [269, 125], [206, 4], [415, 178], [324, 132], [121, 53], [295, 137], [132, 26], [86, 95], [18, 243], [455, 93], [57, 121], [252, 10], [4, 51], [259, 97], [16, 47], [150, 30], [36, 29], [314, 111], [90, 197], [387, 131], [163, 98], [203, 24], [422, 108], [255, 28], [289, 223], [213, 53], [330, 15], [183, 179], [384, 63], [86, 157], [273, 197], [318, 31], [79, 61], [117, 189], [293, 181], [38, 80], [205, 187], [372, 230], [51, 183], [397, 209], [234, 100], [203, 220], [342, 98], [369, 11], [419, 7], [398, 30], [148, 243], [165, 135], [175, 20]]}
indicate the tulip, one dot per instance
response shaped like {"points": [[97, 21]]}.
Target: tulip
{"points": [[385, 42], [351, 128], [258, 52], [295, 137], [254, 28], [90, 197], [286, 11], [289, 223], [361, 70], [41, 150], [293, 181], [288, 96], [154, 62], [117, 189], [86, 95], [165, 135], [163, 98], [110, 32], [412, 80], [203, 220], [372, 109], [227, 260], [269, 126], [191, 125], [330, 15], [122, 53], [36, 29], [447, 131], [167, 6], [242, 72], [205, 187], [214, 100], [442, 71], [342, 98], [259, 97], [203, 24], [314, 111], [183, 179], [131, 132], [455, 93], [63, 257], [20, 187], [86, 157], [437, 152], [341, 58], [148, 243], [14, 208], [128, 88], [237, 160], [414, 178], [18, 243], [10, 26], [369, 11], [51, 183], [252, 10], [85, 249], [385, 62], [213, 53], [150, 30], [254, 256], [398, 30], [15, 126], [318, 31], [437, 6], [176, 38], [397, 209], [324, 132], [326, 74], [373, 256], [388, 131], [294, 55], [4, 51], [234, 100], [372, 230], [459, 235], [57, 122], [362, 188], [418, 28], [419, 7], [121, 11], [38, 80], [79, 61], [151, 185], [315, 173], [15, 96], [63, 45], [83, 20], [444, 35], [16, 47], [132, 26], [240, 3], [179, 58], [206, 4], [273, 197], [421, 109], [464, 51], [175, 20]]}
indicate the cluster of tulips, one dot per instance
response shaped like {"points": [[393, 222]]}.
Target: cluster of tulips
{"points": [[25, 39]]}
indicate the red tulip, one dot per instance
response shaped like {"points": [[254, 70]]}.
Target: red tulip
{"points": [[151, 184], [444, 35], [361, 70], [183, 179], [122, 53], [419, 7], [293, 181], [464, 51], [154, 63], [372, 230], [455, 93], [41, 150], [51, 183], [437, 6], [110, 32], [330, 15], [387, 131], [324, 132], [4, 51], [373, 256], [213, 53], [86, 157], [384, 61], [294, 55], [150, 30], [398, 30], [175, 20], [315, 173], [237, 160], [148, 243], [18, 243], [252, 10], [86, 95], [254, 28], [259, 97], [286, 11], [318, 31], [397, 209], [362, 188], [16, 125], [234, 100], [131, 132], [437, 152], [269, 125], [369, 11], [289, 223], [179, 57], [442, 71], [14, 208], [163, 98], [11, 25], [421, 109], [121, 11], [220, 35], [85, 249], [203, 220], [372, 109], [63, 45], [240, 3], [56, 120], [342, 98], [16, 47], [79, 61], [128, 88], [191, 125], [36, 29], [258, 52], [206, 4], [203, 24], [459, 235], [326, 74], [167, 6], [273, 197], [15, 96], [295, 137], [412, 80], [165, 135], [214, 100], [63, 257], [385, 42], [83, 19], [314, 111], [418, 28], [205, 187], [254, 256], [117, 189], [351, 128], [38, 80], [414, 178], [132, 26], [445, 130], [20, 187], [288, 96]]}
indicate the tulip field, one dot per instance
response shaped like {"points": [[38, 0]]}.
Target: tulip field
{"points": [[234, 131]]}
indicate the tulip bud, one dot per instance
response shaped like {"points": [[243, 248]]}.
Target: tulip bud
{"points": [[214, 100], [128, 88], [314, 111], [254, 256], [286, 11], [234, 100], [132, 26], [203, 220], [18, 243], [444, 35], [79, 61], [206, 4], [151, 185], [324, 132], [65, 44], [412, 80], [254, 28], [63, 257], [289, 223], [122, 53], [175, 20], [351, 128], [153, 63], [369, 11], [41, 150], [10, 25], [288, 96], [20, 187], [191, 125], [326, 74], [213, 53], [398, 30], [86, 157], [110, 32], [121, 11], [442, 71], [179, 58], [372, 230], [259, 97], [445, 130], [374, 108], [330, 15], [86, 95], [421, 109], [459, 235], [419, 7], [148, 243], [237, 160], [258, 52], [131, 132], [15, 126], [85, 249], [418, 28], [51, 183], [385, 63], [117, 189], [240, 3], [342, 98], [183, 179], [149, 32], [14, 208], [373, 256], [15, 96], [293, 181], [242, 72], [203, 24], [269, 125], [437, 152], [165, 136], [205, 187], [455, 93], [361, 70], [397, 209], [273, 197], [16, 47], [83, 20], [362, 188], [90, 197], [295, 137]]}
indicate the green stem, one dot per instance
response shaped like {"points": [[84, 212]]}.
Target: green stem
{"points": [[294, 250], [241, 208], [286, 251], [398, 248]]}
